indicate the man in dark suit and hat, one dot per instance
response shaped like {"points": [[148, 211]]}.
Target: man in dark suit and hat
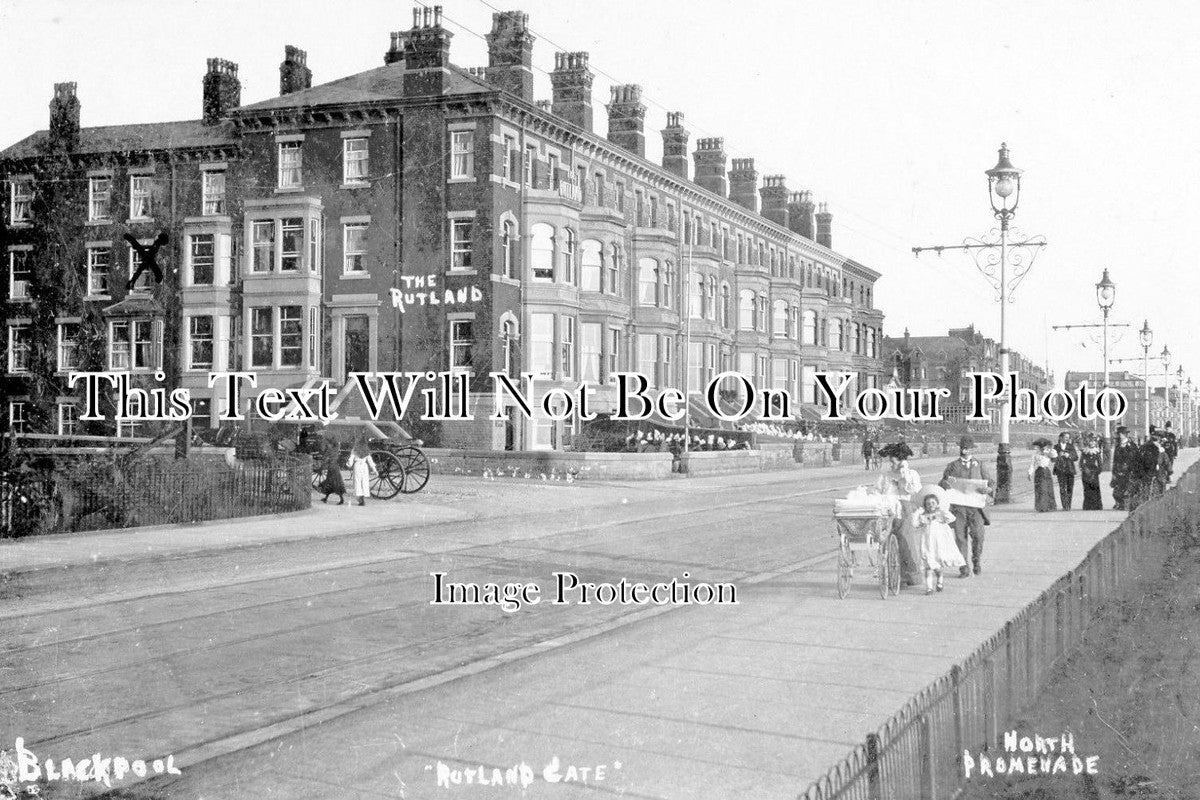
{"points": [[968, 521], [1124, 454]]}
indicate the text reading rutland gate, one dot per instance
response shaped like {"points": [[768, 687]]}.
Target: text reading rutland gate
{"points": [[447, 396]]}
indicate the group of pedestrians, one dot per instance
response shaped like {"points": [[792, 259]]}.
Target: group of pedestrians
{"points": [[1142, 472], [1139, 471], [1058, 463], [933, 534], [361, 467]]}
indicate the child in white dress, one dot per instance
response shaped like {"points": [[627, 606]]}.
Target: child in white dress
{"points": [[938, 548], [363, 467]]}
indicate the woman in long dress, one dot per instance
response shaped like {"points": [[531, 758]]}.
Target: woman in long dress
{"points": [[1090, 463], [897, 479], [1040, 472]]}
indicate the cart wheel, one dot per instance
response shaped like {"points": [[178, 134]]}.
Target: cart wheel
{"points": [[389, 475], [416, 469], [318, 474], [885, 571], [845, 567], [892, 556]]}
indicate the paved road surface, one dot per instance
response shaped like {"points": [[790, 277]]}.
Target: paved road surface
{"points": [[317, 668]]}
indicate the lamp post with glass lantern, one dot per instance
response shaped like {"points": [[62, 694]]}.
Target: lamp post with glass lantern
{"points": [[1165, 355], [1106, 294], [1179, 397], [1146, 338], [1004, 192]]}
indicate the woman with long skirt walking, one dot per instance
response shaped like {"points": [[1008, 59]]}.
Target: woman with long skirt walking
{"points": [[1043, 479], [1090, 462]]}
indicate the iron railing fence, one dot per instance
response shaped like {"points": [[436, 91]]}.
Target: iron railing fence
{"points": [[918, 752]]}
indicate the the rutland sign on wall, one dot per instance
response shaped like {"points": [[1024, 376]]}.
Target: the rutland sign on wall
{"points": [[426, 291]]}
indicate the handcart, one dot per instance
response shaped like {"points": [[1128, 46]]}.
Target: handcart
{"points": [[865, 535]]}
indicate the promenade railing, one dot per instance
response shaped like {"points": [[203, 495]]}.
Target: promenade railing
{"points": [[918, 752]]}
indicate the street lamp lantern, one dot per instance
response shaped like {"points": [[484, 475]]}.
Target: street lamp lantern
{"points": [[1146, 337], [1106, 292], [1106, 295], [1166, 359], [1004, 181]]}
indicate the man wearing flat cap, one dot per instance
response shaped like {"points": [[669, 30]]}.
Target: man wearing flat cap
{"points": [[968, 521]]}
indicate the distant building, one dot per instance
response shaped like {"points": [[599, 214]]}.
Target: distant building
{"points": [[932, 362], [1134, 389]]}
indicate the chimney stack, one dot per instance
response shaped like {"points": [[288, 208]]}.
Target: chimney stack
{"points": [[825, 226], [426, 54], [294, 73], [800, 214], [510, 54], [399, 45], [774, 199], [675, 142], [222, 90], [64, 117], [710, 165], [743, 183], [626, 117], [572, 93]]}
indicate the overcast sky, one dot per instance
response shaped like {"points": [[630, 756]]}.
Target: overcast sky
{"points": [[888, 111]]}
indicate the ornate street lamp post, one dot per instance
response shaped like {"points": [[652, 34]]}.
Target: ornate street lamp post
{"points": [[1106, 294], [1146, 338], [1165, 355], [1003, 263], [1179, 398], [1004, 192]]}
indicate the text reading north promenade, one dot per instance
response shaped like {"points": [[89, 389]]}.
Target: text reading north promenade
{"points": [[448, 396]]}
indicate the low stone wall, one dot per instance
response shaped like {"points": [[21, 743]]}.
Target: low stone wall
{"points": [[554, 465], [705, 462]]}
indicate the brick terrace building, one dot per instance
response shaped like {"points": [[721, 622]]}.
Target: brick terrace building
{"points": [[416, 216]]}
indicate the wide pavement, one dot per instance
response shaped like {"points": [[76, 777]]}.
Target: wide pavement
{"points": [[315, 666]]}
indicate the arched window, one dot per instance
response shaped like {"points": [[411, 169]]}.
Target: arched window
{"points": [[616, 261], [591, 266], [647, 282], [810, 327], [746, 310], [542, 250], [508, 347], [696, 296], [568, 270], [726, 307], [710, 298], [780, 320], [508, 241], [761, 317]]}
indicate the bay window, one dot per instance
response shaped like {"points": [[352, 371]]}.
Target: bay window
{"points": [[541, 350], [589, 351], [591, 266], [200, 342], [134, 344]]}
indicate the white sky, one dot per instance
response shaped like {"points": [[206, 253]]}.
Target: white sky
{"points": [[888, 111]]}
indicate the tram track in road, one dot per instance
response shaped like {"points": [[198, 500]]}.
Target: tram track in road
{"points": [[229, 582], [557, 637]]}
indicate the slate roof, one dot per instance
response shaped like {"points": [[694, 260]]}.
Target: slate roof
{"points": [[380, 84], [144, 136]]}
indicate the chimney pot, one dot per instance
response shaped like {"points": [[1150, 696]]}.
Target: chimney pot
{"points": [[626, 118], [510, 54], [222, 90]]}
